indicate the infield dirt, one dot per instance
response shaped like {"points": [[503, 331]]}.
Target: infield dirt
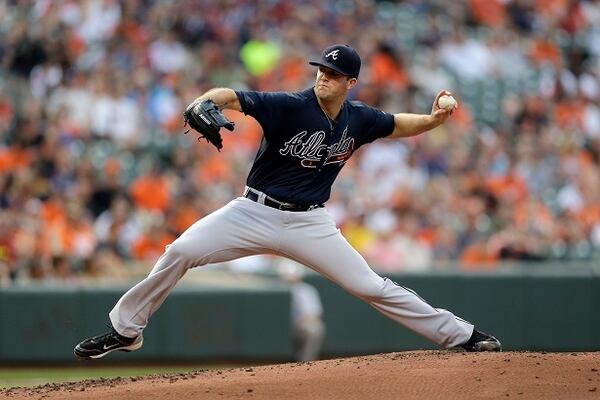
{"points": [[407, 376]]}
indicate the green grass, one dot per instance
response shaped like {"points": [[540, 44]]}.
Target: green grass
{"points": [[33, 376]]}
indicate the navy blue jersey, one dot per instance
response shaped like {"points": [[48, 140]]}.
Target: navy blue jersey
{"points": [[302, 151]]}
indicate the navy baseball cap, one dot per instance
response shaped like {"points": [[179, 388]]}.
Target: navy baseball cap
{"points": [[340, 58]]}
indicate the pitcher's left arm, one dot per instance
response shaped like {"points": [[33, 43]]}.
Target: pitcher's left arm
{"points": [[406, 125]]}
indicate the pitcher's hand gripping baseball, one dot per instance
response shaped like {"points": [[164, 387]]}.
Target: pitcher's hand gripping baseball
{"points": [[205, 118]]}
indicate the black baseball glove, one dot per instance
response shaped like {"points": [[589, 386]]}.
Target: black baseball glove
{"points": [[205, 118]]}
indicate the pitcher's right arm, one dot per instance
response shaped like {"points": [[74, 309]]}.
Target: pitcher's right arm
{"points": [[224, 98]]}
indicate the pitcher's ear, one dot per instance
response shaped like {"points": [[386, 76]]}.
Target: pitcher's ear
{"points": [[351, 83]]}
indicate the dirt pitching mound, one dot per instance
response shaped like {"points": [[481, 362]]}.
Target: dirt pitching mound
{"points": [[408, 375]]}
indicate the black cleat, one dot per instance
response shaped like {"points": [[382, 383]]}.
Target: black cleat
{"points": [[99, 346], [481, 341]]}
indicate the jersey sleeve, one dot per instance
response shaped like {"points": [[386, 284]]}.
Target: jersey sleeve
{"points": [[377, 124], [268, 108]]}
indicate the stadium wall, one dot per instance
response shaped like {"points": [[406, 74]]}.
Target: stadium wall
{"points": [[541, 310]]}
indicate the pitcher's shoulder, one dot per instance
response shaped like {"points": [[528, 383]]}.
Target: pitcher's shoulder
{"points": [[302, 95], [359, 105]]}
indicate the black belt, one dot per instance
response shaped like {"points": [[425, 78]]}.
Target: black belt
{"points": [[279, 205]]}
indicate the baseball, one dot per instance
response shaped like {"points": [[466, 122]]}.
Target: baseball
{"points": [[446, 102]]}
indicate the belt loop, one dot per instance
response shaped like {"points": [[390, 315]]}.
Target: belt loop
{"points": [[261, 198]]}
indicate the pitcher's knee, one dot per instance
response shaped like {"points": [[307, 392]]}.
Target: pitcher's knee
{"points": [[367, 289], [182, 249]]}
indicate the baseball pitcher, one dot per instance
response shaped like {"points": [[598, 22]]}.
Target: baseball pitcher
{"points": [[308, 136]]}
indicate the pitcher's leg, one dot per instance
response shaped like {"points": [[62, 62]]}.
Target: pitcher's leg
{"points": [[130, 315], [326, 251], [218, 237], [406, 307]]}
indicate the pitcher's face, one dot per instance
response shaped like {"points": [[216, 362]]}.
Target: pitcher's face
{"points": [[330, 84]]}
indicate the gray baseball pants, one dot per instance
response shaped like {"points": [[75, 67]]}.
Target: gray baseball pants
{"points": [[244, 228]]}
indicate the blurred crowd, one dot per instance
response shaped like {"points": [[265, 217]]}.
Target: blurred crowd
{"points": [[96, 176]]}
